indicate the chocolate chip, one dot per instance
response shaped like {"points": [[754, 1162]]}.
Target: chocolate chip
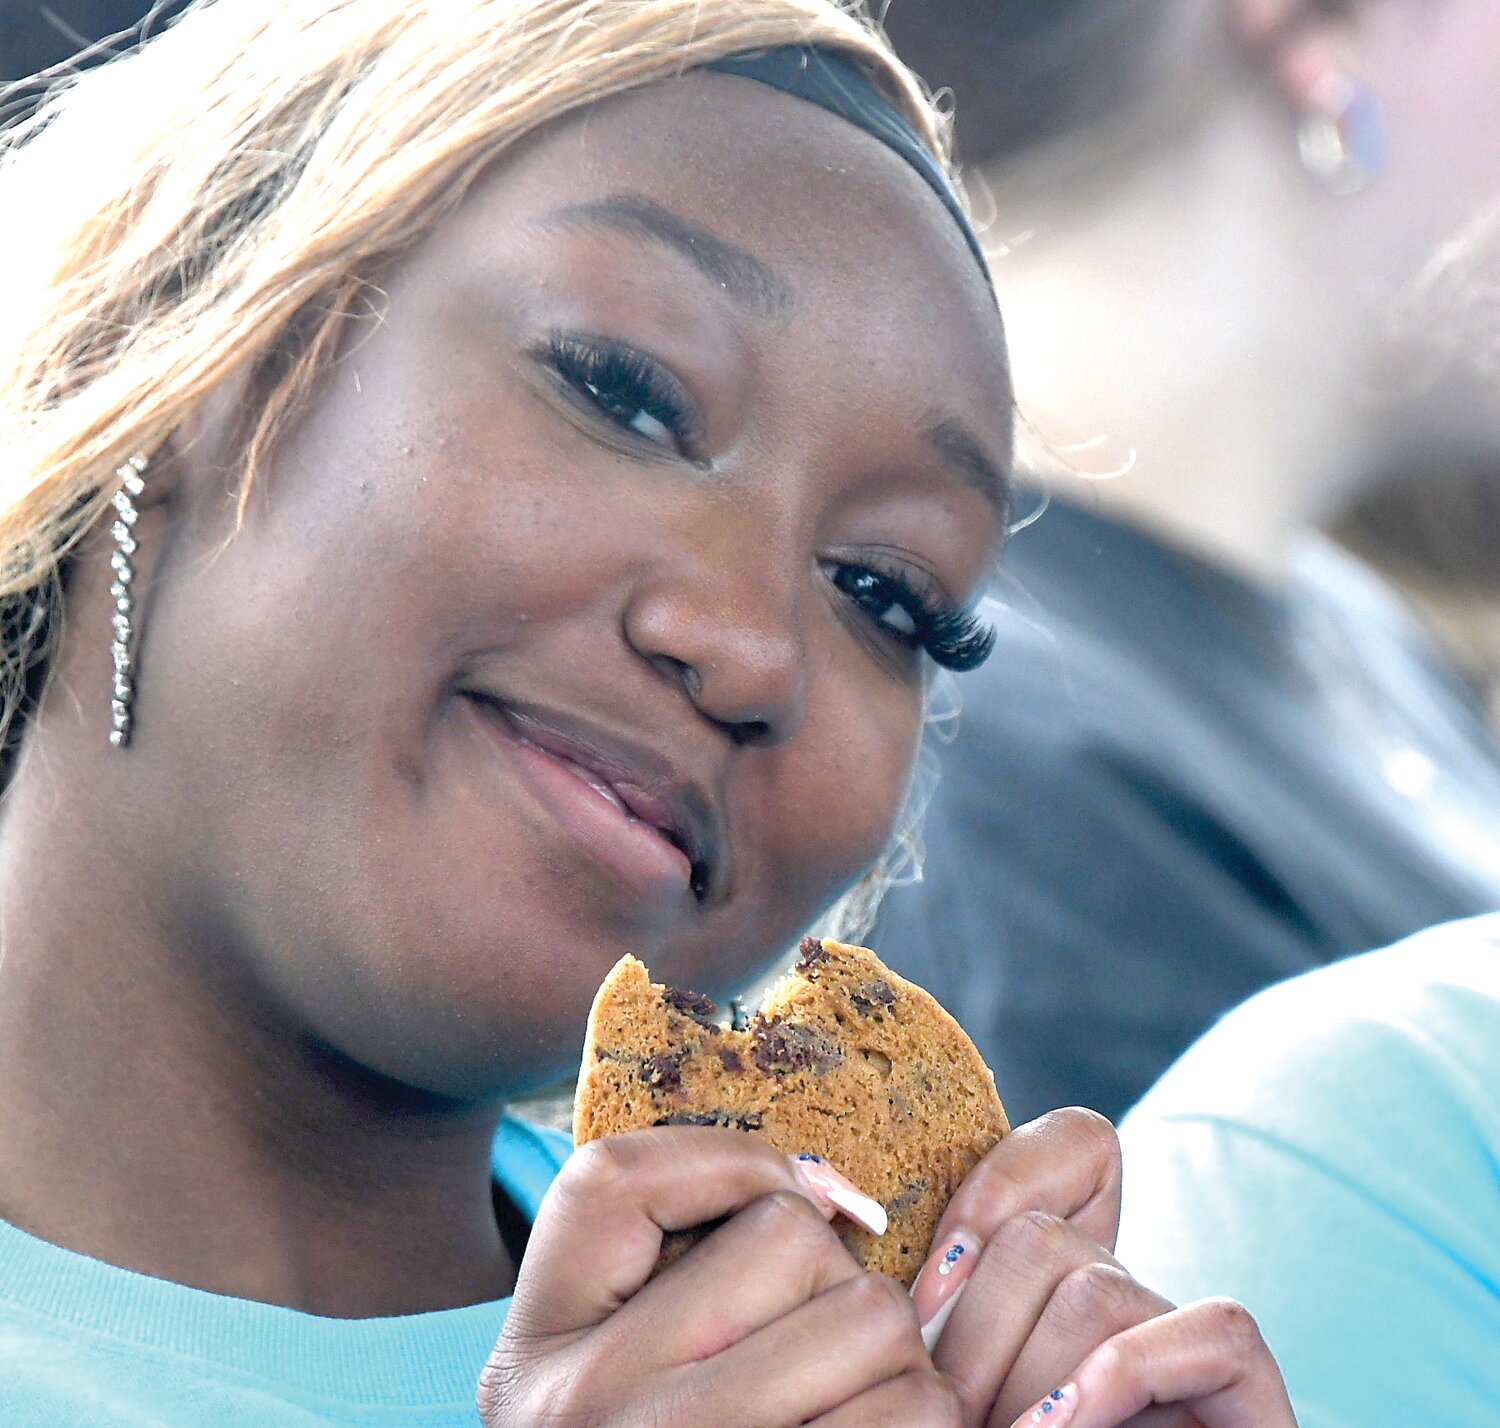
{"points": [[702, 1009], [664, 1072], [871, 996], [812, 951], [729, 1058], [732, 1120], [905, 1198], [783, 1046]]}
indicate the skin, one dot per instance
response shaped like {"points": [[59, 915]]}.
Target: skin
{"points": [[312, 988]]}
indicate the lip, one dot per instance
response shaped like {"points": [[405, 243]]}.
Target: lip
{"points": [[649, 825]]}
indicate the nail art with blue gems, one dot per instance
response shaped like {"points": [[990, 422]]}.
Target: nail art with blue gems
{"points": [[949, 1260], [1054, 1410]]}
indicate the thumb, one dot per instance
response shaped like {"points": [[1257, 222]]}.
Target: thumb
{"points": [[599, 1231]]}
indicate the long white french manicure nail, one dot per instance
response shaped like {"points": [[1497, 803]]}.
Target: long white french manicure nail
{"points": [[942, 1280], [836, 1190], [932, 1330]]}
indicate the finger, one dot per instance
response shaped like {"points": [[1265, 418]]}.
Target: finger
{"points": [[920, 1399], [1208, 1357], [598, 1233], [1091, 1305], [1038, 1298], [769, 1259], [1066, 1164], [834, 1348]]}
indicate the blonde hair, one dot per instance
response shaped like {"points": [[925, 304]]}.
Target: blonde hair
{"points": [[213, 198]]}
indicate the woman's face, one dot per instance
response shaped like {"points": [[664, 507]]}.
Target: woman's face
{"points": [[551, 632]]}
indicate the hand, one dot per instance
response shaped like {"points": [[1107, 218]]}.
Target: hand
{"points": [[1048, 1322], [766, 1322]]}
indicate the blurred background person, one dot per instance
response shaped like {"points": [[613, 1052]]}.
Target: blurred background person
{"points": [[1429, 519], [1210, 751], [1327, 1152]]}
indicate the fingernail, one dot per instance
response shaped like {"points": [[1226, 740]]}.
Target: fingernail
{"points": [[1054, 1410], [947, 1269], [932, 1330], [833, 1190]]}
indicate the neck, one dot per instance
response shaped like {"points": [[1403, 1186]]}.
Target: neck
{"points": [[154, 1121], [1163, 345]]}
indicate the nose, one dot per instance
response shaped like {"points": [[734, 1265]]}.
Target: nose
{"points": [[721, 616]]}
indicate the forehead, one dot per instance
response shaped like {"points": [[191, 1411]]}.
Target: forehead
{"points": [[846, 242], [734, 146]]}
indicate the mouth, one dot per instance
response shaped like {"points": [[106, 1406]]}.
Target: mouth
{"points": [[649, 828]]}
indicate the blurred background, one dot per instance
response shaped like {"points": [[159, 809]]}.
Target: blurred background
{"points": [[1239, 721], [35, 37]]}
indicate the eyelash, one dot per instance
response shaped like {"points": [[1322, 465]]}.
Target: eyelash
{"points": [[953, 637], [622, 382]]}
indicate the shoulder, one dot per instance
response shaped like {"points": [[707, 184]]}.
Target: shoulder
{"points": [[1399, 1047], [1418, 1021], [1327, 1154]]}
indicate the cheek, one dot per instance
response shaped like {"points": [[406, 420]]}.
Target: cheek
{"points": [[852, 779]]}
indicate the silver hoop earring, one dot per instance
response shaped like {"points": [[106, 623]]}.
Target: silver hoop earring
{"points": [[121, 706]]}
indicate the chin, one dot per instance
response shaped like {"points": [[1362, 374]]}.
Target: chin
{"points": [[455, 1060]]}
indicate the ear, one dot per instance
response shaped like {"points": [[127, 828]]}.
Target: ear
{"points": [[1310, 51], [1307, 48], [208, 443]]}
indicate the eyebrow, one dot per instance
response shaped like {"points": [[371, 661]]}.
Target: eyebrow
{"points": [[734, 269], [960, 449]]}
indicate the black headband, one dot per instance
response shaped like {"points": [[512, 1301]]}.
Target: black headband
{"points": [[835, 83]]}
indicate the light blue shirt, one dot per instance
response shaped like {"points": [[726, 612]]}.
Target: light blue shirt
{"points": [[87, 1345], [1329, 1154]]}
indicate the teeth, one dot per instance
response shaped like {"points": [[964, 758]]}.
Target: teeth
{"points": [[591, 779], [605, 792]]}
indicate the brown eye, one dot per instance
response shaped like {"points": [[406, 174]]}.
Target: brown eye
{"points": [[628, 388], [912, 611], [880, 598]]}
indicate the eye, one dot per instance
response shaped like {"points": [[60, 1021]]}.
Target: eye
{"points": [[880, 597], [628, 388], [909, 608]]}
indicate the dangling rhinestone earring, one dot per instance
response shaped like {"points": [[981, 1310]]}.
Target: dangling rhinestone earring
{"points": [[123, 531]]}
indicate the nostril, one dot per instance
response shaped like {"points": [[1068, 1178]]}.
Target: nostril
{"points": [[746, 731], [692, 681], [751, 732]]}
